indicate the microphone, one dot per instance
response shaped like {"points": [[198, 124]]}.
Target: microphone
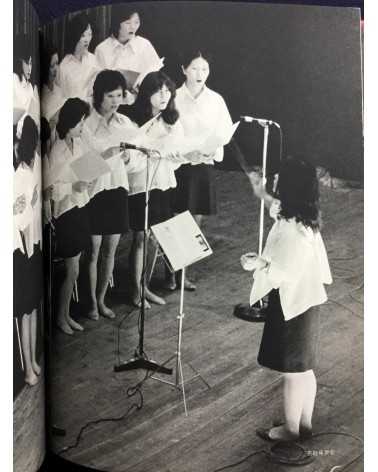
{"points": [[260, 121], [123, 146]]}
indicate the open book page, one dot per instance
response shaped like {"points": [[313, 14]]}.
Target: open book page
{"points": [[150, 370], [28, 283]]}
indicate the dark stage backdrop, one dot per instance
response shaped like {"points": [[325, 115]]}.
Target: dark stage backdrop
{"points": [[298, 65]]}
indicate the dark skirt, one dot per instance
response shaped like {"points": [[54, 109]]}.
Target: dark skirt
{"points": [[195, 190], [159, 208], [72, 233], [109, 212], [27, 282], [289, 346]]}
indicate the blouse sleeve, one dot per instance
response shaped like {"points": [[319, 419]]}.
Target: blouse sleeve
{"points": [[286, 256], [60, 189], [222, 126], [151, 58], [101, 61]]}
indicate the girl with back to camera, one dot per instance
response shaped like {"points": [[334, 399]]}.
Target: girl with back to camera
{"points": [[69, 198], [27, 256], [203, 112], [79, 67], [155, 112], [292, 269]]}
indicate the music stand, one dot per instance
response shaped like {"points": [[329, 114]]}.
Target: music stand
{"points": [[183, 244]]}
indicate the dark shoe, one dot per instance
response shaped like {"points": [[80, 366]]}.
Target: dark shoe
{"points": [[304, 433], [263, 433]]}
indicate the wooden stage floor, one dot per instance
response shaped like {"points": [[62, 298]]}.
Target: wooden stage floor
{"points": [[232, 395]]}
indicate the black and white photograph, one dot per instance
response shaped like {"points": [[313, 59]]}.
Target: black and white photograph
{"points": [[28, 374], [200, 201]]}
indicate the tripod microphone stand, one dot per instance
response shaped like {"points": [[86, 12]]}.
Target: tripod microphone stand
{"points": [[140, 359]]}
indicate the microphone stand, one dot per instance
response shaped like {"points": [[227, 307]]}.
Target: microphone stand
{"points": [[243, 311], [140, 359]]}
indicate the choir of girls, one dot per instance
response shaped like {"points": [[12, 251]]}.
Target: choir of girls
{"points": [[81, 101]]}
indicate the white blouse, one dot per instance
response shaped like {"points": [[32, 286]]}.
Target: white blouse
{"points": [[23, 93], [298, 268], [51, 101], [64, 197], [100, 134], [204, 116], [26, 180], [76, 77], [166, 139], [137, 55]]}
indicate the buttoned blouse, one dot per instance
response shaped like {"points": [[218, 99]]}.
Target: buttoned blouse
{"points": [[166, 139], [100, 134], [137, 55], [204, 116], [64, 197], [298, 268], [76, 77]]}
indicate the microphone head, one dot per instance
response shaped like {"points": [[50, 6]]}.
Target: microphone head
{"points": [[247, 119]]}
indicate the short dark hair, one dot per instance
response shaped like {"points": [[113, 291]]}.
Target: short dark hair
{"points": [[188, 55], [28, 141], [107, 81], [298, 191], [142, 108], [76, 27], [119, 14], [71, 113], [22, 52], [47, 52]]}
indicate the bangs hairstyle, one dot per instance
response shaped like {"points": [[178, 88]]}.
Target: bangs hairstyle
{"points": [[71, 113], [107, 81], [142, 109], [186, 57], [22, 52], [119, 14], [48, 51], [28, 141], [298, 191], [75, 28]]}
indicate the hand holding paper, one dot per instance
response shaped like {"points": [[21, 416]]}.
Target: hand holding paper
{"points": [[89, 166]]}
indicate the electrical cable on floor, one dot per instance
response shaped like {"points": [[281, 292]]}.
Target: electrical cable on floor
{"points": [[136, 406], [275, 456], [330, 300]]}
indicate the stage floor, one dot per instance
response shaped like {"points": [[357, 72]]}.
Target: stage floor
{"points": [[232, 395]]}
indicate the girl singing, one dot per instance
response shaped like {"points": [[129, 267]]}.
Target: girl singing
{"points": [[155, 113], [69, 204]]}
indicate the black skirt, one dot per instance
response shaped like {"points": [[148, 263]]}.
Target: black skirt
{"points": [[195, 190], [27, 282], [159, 208], [109, 212], [289, 346], [72, 233]]}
